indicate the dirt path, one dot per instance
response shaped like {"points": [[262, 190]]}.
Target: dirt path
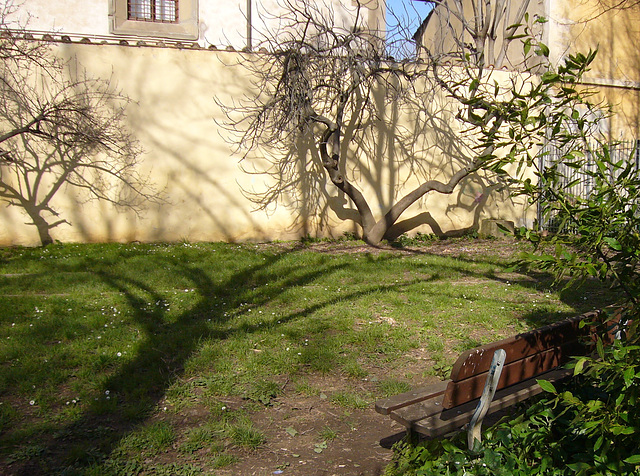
{"points": [[360, 445]]}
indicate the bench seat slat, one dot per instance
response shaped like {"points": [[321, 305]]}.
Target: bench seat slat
{"points": [[387, 405], [429, 418]]}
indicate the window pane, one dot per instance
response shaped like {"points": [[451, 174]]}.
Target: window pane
{"points": [[140, 9], [166, 10]]}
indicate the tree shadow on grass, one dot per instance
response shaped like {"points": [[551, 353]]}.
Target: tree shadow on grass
{"points": [[582, 296], [138, 386]]}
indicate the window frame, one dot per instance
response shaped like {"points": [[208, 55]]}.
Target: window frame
{"points": [[185, 28]]}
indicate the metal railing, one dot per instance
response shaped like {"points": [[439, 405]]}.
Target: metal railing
{"points": [[578, 182]]}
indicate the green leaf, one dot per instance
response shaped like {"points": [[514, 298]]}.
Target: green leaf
{"points": [[547, 386], [579, 466], [628, 375], [320, 447], [550, 77], [635, 459], [449, 447], [543, 50], [579, 366], [613, 243], [291, 431], [598, 443], [621, 430]]}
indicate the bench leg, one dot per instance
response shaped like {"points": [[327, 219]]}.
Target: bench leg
{"points": [[474, 431]]}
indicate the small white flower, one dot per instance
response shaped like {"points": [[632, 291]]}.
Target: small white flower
{"points": [[107, 392], [32, 402], [119, 354]]}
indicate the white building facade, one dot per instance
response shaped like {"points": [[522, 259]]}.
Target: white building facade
{"points": [[207, 23]]}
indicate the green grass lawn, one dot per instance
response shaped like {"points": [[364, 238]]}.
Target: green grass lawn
{"points": [[99, 342]]}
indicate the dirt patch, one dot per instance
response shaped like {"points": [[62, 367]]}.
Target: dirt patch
{"points": [[310, 436]]}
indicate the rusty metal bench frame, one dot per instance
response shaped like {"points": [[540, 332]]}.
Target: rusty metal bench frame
{"points": [[439, 409]]}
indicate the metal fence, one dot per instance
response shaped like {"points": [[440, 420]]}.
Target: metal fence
{"points": [[577, 182]]}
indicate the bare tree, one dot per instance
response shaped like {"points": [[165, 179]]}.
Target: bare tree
{"points": [[59, 129], [326, 87], [483, 30]]}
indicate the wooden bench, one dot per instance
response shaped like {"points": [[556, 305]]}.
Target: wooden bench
{"points": [[439, 409]]}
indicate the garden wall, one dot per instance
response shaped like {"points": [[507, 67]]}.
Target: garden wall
{"points": [[190, 159]]}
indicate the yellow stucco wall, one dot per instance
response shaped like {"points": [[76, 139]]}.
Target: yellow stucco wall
{"points": [[188, 158], [583, 25]]}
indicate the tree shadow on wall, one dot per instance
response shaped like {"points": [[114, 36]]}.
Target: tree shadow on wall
{"points": [[63, 130], [387, 155]]}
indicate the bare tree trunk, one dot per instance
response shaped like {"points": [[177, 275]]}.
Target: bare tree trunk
{"points": [[331, 163], [378, 232]]}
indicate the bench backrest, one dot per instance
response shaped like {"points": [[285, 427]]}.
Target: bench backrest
{"points": [[528, 355]]}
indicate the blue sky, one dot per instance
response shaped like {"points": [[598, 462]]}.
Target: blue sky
{"points": [[411, 13], [410, 10]]}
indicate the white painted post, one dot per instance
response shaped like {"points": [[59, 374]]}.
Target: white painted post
{"points": [[474, 431]]}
